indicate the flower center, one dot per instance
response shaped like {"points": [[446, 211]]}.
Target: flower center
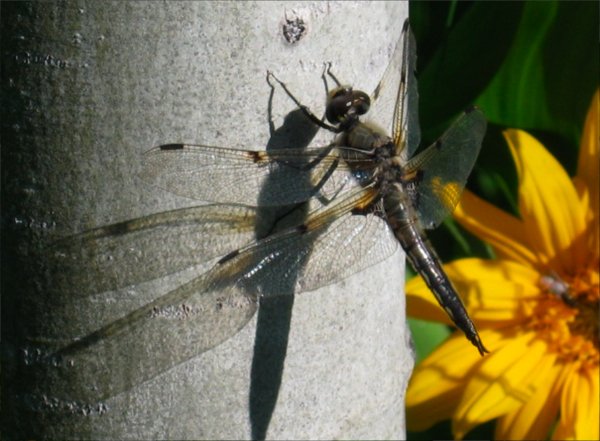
{"points": [[567, 316]]}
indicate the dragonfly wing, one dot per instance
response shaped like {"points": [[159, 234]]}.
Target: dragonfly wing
{"points": [[398, 108], [441, 171], [364, 240], [138, 250], [209, 309], [309, 256], [144, 343], [255, 178]]}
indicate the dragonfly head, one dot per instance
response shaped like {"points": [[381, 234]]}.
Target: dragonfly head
{"points": [[345, 105]]}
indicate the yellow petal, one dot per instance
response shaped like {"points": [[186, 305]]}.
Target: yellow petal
{"points": [[495, 292], [536, 417], [505, 381], [420, 302], [553, 217], [504, 232], [437, 383], [587, 168], [579, 407], [593, 230], [421, 416], [587, 425]]}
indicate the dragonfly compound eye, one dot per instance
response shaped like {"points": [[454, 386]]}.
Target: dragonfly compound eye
{"points": [[345, 102], [360, 102]]}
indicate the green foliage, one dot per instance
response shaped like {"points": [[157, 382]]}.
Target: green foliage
{"points": [[528, 65], [427, 336]]}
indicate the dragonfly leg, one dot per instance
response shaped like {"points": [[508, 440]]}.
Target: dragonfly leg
{"points": [[270, 106], [331, 75], [302, 107]]}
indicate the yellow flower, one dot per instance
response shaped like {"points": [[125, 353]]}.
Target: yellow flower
{"points": [[536, 307]]}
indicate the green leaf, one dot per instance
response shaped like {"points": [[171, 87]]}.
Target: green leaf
{"points": [[551, 70], [467, 57], [427, 336]]}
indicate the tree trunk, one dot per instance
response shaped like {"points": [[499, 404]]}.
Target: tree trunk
{"points": [[87, 88]]}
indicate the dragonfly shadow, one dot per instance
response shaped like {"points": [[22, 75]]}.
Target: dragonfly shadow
{"points": [[91, 357], [275, 311]]}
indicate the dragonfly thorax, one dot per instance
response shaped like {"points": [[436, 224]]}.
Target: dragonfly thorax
{"points": [[345, 105]]}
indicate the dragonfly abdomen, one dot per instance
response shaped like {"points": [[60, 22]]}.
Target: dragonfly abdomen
{"points": [[424, 261]]}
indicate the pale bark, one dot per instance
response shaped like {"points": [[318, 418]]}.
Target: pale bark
{"points": [[87, 88]]}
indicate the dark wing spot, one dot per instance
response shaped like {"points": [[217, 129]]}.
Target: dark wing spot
{"points": [[470, 109], [228, 256], [420, 175], [365, 207], [358, 211], [414, 178], [302, 228], [256, 156], [172, 147], [117, 229], [438, 144]]}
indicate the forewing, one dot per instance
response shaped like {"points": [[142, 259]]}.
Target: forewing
{"points": [[138, 250], [329, 246], [440, 172], [349, 245], [398, 109], [255, 178]]}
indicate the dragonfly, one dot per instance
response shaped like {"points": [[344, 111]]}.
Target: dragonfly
{"points": [[366, 193]]}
